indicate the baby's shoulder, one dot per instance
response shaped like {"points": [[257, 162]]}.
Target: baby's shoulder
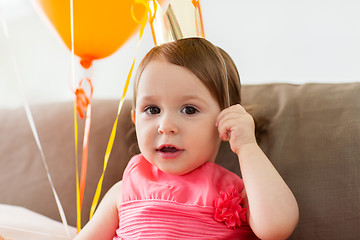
{"points": [[137, 162]]}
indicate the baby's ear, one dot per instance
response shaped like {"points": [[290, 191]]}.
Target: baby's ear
{"points": [[133, 115]]}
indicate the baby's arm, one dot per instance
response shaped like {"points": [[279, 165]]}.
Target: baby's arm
{"points": [[105, 221], [272, 208]]}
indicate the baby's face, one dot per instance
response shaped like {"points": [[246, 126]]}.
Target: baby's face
{"points": [[175, 118]]}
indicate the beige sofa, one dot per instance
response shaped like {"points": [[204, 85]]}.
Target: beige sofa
{"points": [[313, 139]]}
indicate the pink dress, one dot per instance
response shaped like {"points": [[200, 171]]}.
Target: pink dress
{"points": [[203, 204]]}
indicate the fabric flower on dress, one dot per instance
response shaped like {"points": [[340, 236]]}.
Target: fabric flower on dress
{"points": [[229, 208]]}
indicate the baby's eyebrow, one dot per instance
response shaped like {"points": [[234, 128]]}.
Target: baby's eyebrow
{"points": [[185, 98], [147, 98], [193, 97]]}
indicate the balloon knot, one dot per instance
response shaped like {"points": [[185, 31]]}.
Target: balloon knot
{"points": [[82, 99], [86, 62]]}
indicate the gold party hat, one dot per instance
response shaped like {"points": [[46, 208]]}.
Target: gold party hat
{"points": [[180, 19]]}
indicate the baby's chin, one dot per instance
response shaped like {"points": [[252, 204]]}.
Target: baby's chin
{"points": [[179, 166], [177, 171]]}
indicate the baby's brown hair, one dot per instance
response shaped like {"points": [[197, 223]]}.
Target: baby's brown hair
{"points": [[203, 59], [212, 65]]}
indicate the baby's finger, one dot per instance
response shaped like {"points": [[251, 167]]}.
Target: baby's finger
{"points": [[233, 109], [225, 126], [224, 134]]}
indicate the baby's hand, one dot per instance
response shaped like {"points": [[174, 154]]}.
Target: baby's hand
{"points": [[236, 126]]}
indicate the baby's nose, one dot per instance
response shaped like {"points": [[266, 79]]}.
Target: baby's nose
{"points": [[168, 125]]}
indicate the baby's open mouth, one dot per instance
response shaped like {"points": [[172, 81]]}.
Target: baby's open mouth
{"points": [[167, 149]]}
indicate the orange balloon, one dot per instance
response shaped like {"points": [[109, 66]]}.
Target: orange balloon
{"points": [[100, 26]]}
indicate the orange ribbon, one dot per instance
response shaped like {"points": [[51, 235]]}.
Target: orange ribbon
{"points": [[82, 99], [199, 24]]}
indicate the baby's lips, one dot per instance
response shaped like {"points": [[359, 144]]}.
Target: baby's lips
{"points": [[167, 148]]}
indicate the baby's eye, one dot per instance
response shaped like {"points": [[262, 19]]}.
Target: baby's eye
{"points": [[189, 110], [152, 110]]}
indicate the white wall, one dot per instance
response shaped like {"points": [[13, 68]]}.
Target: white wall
{"points": [[270, 41]]}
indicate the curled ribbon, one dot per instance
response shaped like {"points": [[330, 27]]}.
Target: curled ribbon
{"points": [[82, 99], [113, 131], [147, 11]]}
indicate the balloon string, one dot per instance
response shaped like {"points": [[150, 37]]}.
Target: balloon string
{"points": [[113, 131], [78, 208], [72, 43], [78, 203], [34, 130], [151, 20], [82, 103], [200, 28], [85, 153]]}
